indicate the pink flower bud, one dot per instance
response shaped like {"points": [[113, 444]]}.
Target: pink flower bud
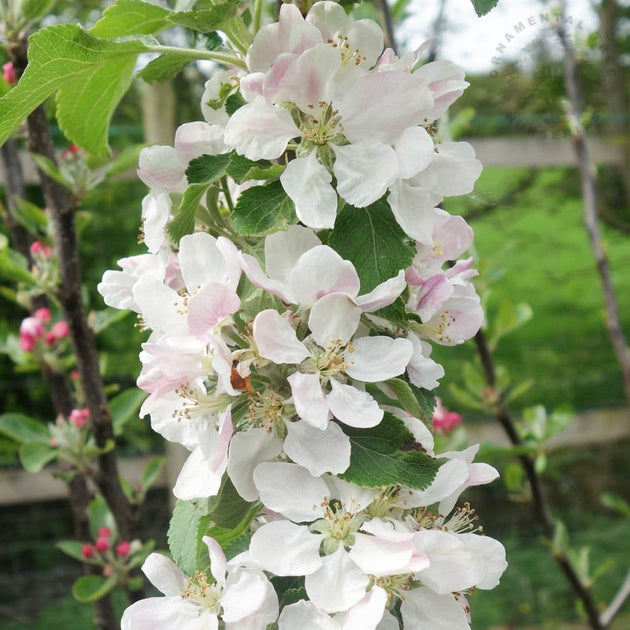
{"points": [[71, 151], [39, 249], [79, 418], [31, 330], [8, 72], [107, 571], [444, 420], [53, 442], [61, 330], [104, 532], [50, 338], [87, 551], [102, 544], [74, 375], [123, 549], [43, 314]]}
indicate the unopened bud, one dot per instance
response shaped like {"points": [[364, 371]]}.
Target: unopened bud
{"points": [[43, 315], [79, 418], [87, 551], [104, 532], [8, 72], [60, 330], [123, 549], [102, 544]]}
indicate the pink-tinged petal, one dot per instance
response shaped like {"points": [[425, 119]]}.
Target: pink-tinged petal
{"points": [[492, 554], [245, 595], [353, 407], [198, 138], [218, 563], [260, 131], [321, 271], [161, 307], [432, 294], [164, 574], [247, 450], [459, 319], [284, 248], [414, 210], [309, 399], [364, 171], [307, 183], [423, 608], [456, 169], [453, 566], [166, 613], [117, 290], [382, 105], [334, 318], [378, 358], [446, 82], [415, 151], [338, 584], [251, 86], [204, 259], [383, 294], [448, 479], [423, 371], [285, 548], [452, 236], [256, 275], [156, 210], [308, 81], [318, 451], [276, 340], [366, 614], [197, 478], [305, 614], [159, 167], [210, 306], [291, 490]]}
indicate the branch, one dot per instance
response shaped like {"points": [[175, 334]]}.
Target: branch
{"points": [[591, 213], [617, 602], [390, 38], [541, 508]]}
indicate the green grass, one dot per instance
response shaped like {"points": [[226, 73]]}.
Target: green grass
{"points": [[533, 248]]}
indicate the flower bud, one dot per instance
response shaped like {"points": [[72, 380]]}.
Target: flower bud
{"points": [[104, 532], [39, 249], [87, 551], [8, 72], [79, 418], [50, 338], [445, 421], [60, 330], [43, 315], [31, 330], [102, 544], [123, 549]]}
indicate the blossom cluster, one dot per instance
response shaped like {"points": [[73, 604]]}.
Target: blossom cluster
{"points": [[292, 373]]}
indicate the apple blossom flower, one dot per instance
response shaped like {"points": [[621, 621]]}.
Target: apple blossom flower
{"points": [[444, 420], [234, 596]]}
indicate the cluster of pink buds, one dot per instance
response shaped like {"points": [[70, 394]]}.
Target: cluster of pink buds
{"points": [[445, 421], [79, 417], [8, 73], [35, 328], [71, 152], [103, 544], [39, 250]]}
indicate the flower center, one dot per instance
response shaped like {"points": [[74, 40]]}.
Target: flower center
{"points": [[266, 410], [395, 586], [320, 128], [333, 360], [348, 54], [339, 525], [203, 593], [194, 403]]}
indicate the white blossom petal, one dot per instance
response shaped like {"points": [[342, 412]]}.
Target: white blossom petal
{"points": [[276, 340], [353, 407]]}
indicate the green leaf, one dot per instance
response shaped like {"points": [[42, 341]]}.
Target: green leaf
{"points": [[189, 523], [99, 516], [131, 17], [164, 67], [381, 456], [35, 9], [261, 210], [426, 400], [125, 406], [30, 216], [231, 508], [50, 169], [35, 455], [510, 317], [202, 172], [207, 169], [483, 6], [241, 169], [405, 396], [14, 267], [73, 548], [371, 239], [100, 320], [615, 502], [560, 542], [91, 75], [22, 428], [126, 160], [152, 471], [89, 588], [206, 20]]}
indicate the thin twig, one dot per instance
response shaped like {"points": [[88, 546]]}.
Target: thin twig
{"points": [[588, 177], [390, 38], [617, 602], [541, 507]]}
